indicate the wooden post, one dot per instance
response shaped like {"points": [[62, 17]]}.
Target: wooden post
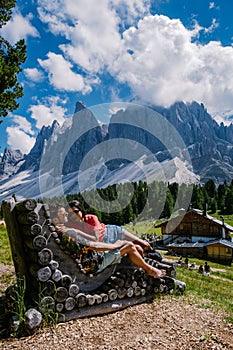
{"points": [[15, 238]]}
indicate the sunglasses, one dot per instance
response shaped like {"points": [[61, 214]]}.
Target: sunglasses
{"points": [[76, 211]]}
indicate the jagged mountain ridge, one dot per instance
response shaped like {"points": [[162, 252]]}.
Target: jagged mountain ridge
{"points": [[209, 145]]}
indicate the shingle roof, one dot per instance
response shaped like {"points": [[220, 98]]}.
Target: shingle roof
{"points": [[200, 212]]}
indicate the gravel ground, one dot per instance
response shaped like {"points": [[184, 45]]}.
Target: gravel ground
{"points": [[172, 323]]}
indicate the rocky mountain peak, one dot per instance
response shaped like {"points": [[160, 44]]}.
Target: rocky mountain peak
{"points": [[10, 161]]}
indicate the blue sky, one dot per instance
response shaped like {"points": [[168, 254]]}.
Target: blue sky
{"points": [[113, 50]]}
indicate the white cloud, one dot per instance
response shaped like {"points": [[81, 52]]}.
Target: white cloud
{"points": [[19, 27], [165, 64], [157, 57], [94, 27], [61, 75], [48, 110], [34, 74], [211, 5], [20, 135], [212, 27]]}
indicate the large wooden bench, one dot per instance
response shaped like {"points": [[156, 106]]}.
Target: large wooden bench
{"points": [[54, 280]]}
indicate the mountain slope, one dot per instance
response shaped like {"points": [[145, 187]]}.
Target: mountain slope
{"points": [[182, 143]]}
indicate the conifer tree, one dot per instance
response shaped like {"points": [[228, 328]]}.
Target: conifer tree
{"points": [[11, 58]]}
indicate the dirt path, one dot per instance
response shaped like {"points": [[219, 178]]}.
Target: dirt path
{"points": [[166, 323]]}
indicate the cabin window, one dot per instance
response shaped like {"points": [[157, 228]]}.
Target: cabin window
{"points": [[228, 250]]}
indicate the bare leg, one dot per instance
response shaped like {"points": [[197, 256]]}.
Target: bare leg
{"points": [[130, 249], [132, 238]]}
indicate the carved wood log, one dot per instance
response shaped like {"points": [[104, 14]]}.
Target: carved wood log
{"points": [[46, 211], [128, 281], [121, 292], [180, 284], [81, 300], [170, 271], [168, 262], [143, 283], [39, 242], [59, 307], [45, 256], [57, 275], [61, 294], [53, 264], [48, 288], [33, 319], [68, 266], [47, 304], [98, 298], [116, 281], [73, 290], [66, 281], [44, 274], [90, 299], [104, 297], [26, 205], [143, 291], [32, 230], [130, 292], [138, 274], [112, 294], [70, 303], [28, 218], [137, 291]]}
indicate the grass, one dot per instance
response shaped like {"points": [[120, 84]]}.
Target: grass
{"points": [[228, 219], [146, 227], [213, 291], [5, 251]]}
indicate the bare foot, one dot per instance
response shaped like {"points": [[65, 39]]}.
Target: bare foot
{"points": [[156, 273], [146, 245]]}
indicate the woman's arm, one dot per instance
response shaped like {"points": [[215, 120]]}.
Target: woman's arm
{"points": [[75, 233]]}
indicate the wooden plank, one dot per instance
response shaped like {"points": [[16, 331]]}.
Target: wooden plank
{"points": [[104, 308]]}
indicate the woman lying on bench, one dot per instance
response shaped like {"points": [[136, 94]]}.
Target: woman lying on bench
{"points": [[112, 252]]}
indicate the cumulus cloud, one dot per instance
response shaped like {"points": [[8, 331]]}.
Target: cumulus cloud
{"points": [[48, 110], [165, 64], [20, 134], [34, 74], [19, 27], [158, 58], [61, 75]]}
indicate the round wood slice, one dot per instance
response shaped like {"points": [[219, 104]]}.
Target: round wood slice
{"points": [[44, 274], [45, 256], [112, 294], [61, 294], [28, 204], [81, 300], [73, 290], [70, 303], [47, 304], [29, 218], [90, 299]]}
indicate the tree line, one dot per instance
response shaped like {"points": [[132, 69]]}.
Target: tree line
{"points": [[123, 203]]}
